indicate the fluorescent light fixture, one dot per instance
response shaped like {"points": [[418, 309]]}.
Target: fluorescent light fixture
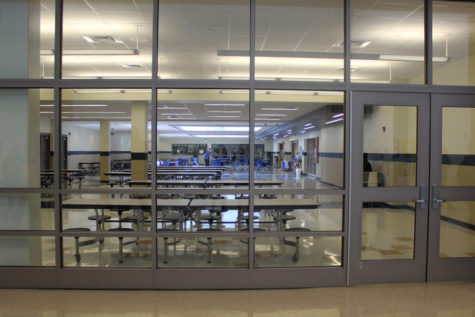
{"points": [[46, 112], [329, 93], [217, 128], [89, 118], [292, 92], [307, 124], [172, 108], [164, 91], [411, 58], [333, 121], [267, 119], [281, 109], [310, 127], [95, 112], [221, 136], [241, 92], [276, 133], [223, 116], [271, 115], [92, 52], [302, 132], [224, 111], [75, 105], [97, 91], [224, 104], [333, 55], [338, 115], [176, 114]]}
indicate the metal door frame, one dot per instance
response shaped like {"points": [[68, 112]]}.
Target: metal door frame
{"points": [[450, 269], [388, 271]]}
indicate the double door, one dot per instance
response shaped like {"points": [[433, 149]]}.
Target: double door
{"points": [[413, 188]]}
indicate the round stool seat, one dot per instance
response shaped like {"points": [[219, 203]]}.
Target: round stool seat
{"points": [[287, 217], [120, 229], [208, 230], [255, 229], [77, 229], [99, 218], [132, 219], [297, 229], [171, 217], [246, 218]]}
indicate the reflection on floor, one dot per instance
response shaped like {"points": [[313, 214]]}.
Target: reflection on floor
{"points": [[408, 300]]}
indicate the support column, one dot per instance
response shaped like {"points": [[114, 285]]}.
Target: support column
{"points": [[19, 129], [139, 142], [104, 161]]}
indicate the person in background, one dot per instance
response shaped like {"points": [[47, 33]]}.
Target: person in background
{"points": [[207, 156], [366, 164]]}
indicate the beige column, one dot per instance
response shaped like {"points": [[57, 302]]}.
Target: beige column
{"points": [[139, 142], [104, 162], [471, 54]]}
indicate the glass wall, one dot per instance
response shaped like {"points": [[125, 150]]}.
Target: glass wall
{"points": [[453, 43], [191, 164], [115, 42], [387, 41], [299, 40], [203, 39]]}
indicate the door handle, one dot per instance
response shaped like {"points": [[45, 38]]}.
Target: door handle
{"points": [[422, 201], [435, 197]]}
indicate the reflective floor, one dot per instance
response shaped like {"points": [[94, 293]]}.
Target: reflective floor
{"points": [[403, 300]]}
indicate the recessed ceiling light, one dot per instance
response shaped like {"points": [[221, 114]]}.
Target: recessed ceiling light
{"points": [[221, 136], [131, 65], [223, 116], [281, 109], [172, 108], [75, 105], [333, 121], [224, 111], [224, 104], [267, 119], [271, 115], [338, 115]]}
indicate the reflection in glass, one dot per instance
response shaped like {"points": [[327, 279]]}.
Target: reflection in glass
{"points": [[453, 40], [299, 139], [457, 237], [26, 126], [107, 136], [27, 33], [297, 251], [102, 39], [27, 251], [95, 212], [202, 252], [303, 41], [387, 230], [203, 40], [387, 41], [203, 138], [458, 146], [26, 212], [117, 251], [292, 212], [390, 144]]}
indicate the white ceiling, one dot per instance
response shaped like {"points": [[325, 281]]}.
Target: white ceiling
{"points": [[191, 33]]}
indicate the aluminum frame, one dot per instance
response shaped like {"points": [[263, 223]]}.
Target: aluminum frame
{"points": [[151, 278]]}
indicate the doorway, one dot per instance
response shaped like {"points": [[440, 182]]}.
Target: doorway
{"points": [[408, 225]]}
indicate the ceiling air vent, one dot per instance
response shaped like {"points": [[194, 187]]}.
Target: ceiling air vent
{"points": [[101, 39]]}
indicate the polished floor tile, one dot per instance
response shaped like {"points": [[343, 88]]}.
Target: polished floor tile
{"points": [[402, 300]]}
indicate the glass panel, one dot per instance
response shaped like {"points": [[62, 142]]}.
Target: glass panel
{"points": [[387, 41], [457, 224], [28, 28], [202, 213], [387, 230], [203, 40], [26, 212], [203, 252], [390, 146], [27, 251], [297, 251], [94, 212], [203, 138], [453, 43], [299, 139], [292, 212], [26, 144], [103, 39], [107, 136], [458, 146], [109, 252], [299, 40]]}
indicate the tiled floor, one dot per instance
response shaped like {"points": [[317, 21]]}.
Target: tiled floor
{"points": [[403, 300]]}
